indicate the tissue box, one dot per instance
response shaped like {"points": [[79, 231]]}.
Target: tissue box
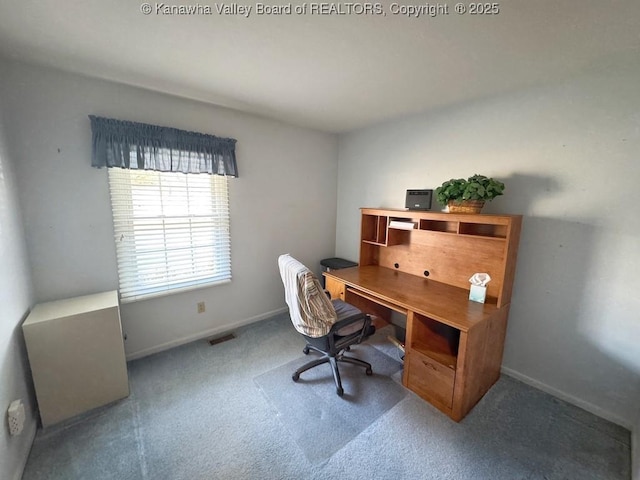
{"points": [[477, 293]]}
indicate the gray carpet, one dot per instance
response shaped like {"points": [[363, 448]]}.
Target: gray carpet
{"points": [[320, 421], [195, 412]]}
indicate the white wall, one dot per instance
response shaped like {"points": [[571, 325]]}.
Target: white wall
{"points": [[568, 154], [15, 301], [283, 201]]}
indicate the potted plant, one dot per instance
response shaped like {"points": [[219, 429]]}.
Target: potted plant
{"points": [[468, 196]]}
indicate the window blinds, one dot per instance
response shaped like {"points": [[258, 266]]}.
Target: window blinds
{"points": [[171, 231]]}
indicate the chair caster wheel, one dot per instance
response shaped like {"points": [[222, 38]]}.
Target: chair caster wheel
{"points": [[339, 391], [295, 377], [369, 372], [305, 350]]}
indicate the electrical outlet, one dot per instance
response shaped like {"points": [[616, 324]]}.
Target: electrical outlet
{"points": [[16, 417], [200, 307]]}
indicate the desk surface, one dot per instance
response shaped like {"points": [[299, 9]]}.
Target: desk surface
{"points": [[444, 303]]}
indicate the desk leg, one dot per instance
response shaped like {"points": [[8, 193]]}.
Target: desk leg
{"points": [[408, 345], [479, 362]]}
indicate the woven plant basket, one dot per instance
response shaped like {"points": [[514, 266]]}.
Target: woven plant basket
{"points": [[465, 206]]}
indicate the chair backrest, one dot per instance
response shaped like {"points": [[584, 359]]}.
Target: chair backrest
{"points": [[311, 311]]}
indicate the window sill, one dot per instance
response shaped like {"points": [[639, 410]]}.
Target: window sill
{"points": [[173, 291]]}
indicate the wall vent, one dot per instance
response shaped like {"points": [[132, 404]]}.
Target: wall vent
{"points": [[215, 341]]}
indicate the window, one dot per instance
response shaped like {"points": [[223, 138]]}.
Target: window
{"points": [[170, 204], [171, 231]]}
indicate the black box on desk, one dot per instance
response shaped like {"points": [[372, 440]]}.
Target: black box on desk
{"points": [[418, 199]]}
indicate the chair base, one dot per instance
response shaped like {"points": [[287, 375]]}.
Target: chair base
{"points": [[333, 361]]}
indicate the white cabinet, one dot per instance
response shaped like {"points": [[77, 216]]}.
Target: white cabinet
{"points": [[76, 352]]}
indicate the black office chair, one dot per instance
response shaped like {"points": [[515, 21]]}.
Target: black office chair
{"points": [[329, 327]]}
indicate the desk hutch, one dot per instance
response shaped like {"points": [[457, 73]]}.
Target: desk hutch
{"points": [[419, 264]]}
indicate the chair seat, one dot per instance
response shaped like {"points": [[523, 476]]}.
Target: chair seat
{"points": [[346, 310]]}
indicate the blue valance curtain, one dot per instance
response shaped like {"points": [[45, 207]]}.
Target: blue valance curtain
{"points": [[118, 143]]}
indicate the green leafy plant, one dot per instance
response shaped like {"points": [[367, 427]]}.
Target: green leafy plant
{"points": [[476, 187]]}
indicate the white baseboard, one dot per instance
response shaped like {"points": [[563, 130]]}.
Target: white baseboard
{"points": [[30, 432], [207, 333], [598, 411]]}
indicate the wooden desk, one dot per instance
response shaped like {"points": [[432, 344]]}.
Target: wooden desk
{"points": [[453, 347]]}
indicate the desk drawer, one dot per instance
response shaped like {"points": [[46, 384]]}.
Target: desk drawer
{"points": [[335, 287], [430, 379]]}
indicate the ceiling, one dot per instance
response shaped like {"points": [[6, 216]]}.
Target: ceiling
{"points": [[331, 72]]}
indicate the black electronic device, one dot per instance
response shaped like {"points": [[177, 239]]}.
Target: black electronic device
{"points": [[418, 199]]}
